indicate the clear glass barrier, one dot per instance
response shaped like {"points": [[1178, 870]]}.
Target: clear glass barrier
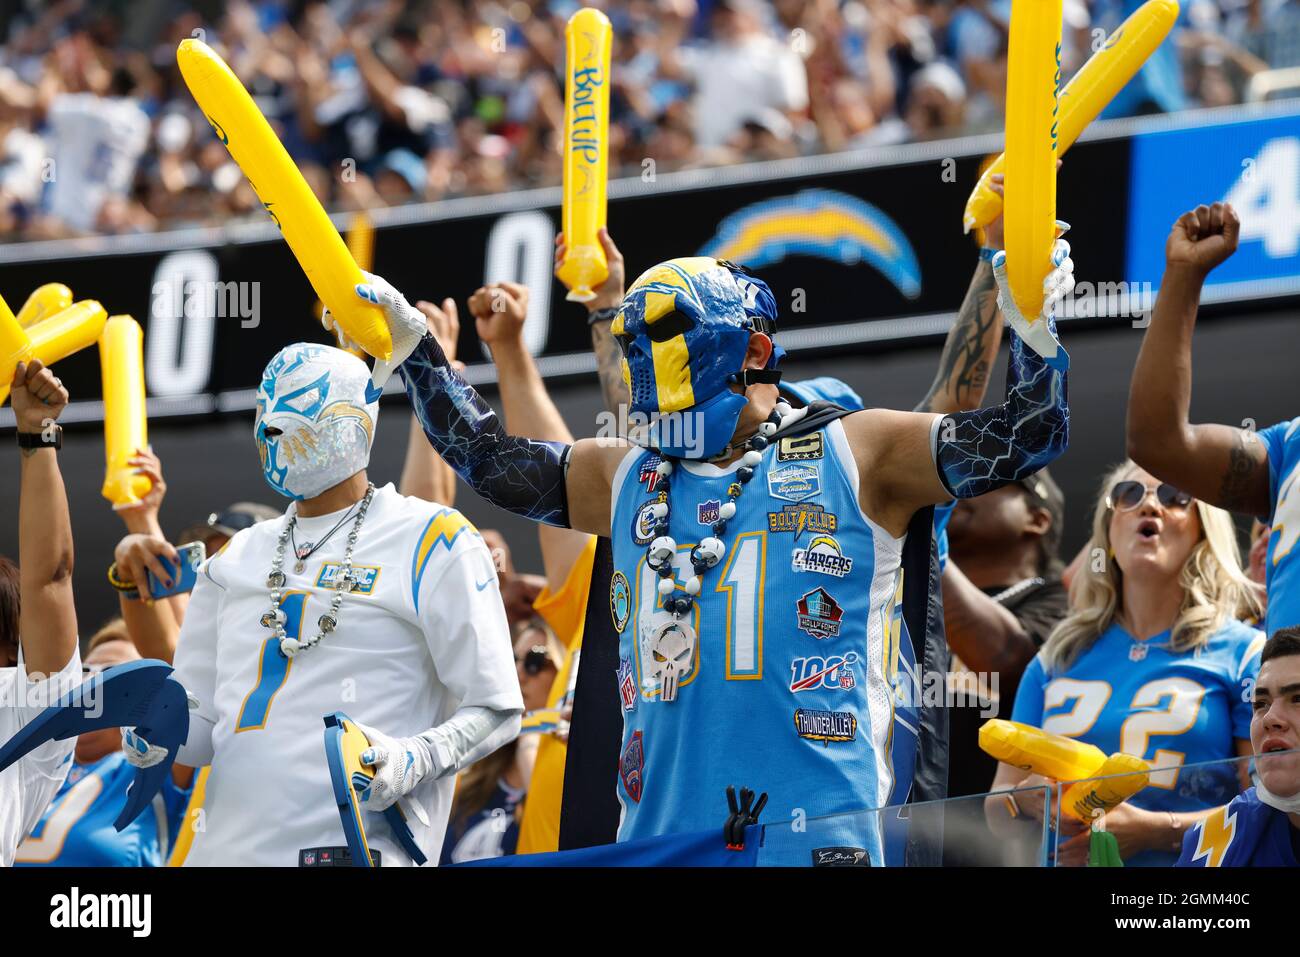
{"points": [[1111, 820], [1147, 825], [982, 830]]}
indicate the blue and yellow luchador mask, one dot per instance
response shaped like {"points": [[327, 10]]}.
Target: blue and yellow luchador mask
{"points": [[684, 327], [316, 417]]}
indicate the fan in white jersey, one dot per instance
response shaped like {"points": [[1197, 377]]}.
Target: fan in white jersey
{"points": [[39, 662], [358, 599]]}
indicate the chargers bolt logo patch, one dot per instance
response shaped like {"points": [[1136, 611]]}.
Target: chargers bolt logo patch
{"points": [[822, 555], [620, 600]]}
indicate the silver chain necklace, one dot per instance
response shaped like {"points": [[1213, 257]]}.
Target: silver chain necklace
{"points": [[276, 618]]}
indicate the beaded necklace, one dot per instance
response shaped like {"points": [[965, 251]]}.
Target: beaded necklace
{"points": [[672, 639]]}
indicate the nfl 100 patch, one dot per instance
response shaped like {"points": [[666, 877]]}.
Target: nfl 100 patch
{"points": [[794, 483], [631, 766], [620, 600], [833, 673]]}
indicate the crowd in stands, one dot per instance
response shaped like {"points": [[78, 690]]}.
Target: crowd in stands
{"points": [[385, 102]]}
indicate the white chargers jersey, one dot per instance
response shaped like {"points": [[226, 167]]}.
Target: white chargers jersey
{"points": [[96, 143], [26, 788], [423, 634]]}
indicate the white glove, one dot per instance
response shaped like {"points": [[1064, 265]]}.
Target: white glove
{"points": [[139, 752], [400, 765], [1056, 286], [406, 324]]}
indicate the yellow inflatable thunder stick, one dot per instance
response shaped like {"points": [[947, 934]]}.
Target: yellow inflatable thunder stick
{"points": [[44, 302], [1033, 78], [1088, 93], [360, 240], [280, 186], [57, 337], [1121, 777], [1032, 749], [1065, 759], [126, 429], [586, 151]]}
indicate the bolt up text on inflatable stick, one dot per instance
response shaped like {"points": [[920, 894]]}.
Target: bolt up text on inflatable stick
{"points": [[588, 37]]}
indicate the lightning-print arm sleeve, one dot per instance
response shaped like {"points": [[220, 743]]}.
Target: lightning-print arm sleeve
{"points": [[519, 475], [978, 451]]}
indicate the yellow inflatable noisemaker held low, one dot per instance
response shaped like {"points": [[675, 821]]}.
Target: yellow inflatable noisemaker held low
{"points": [[1121, 777], [1101, 782], [588, 38], [1087, 94], [126, 429], [253, 145]]}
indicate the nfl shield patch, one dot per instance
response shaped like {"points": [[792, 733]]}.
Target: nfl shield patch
{"points": [[709, 512], [626, 684]]}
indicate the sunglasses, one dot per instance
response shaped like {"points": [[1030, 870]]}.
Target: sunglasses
{"points": [[534, 660], [1128, 495]]}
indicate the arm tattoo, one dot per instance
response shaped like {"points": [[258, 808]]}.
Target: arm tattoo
{"points": [[979, 451], [523, 476], [964, 365], [1244, 462], [609, 367]]}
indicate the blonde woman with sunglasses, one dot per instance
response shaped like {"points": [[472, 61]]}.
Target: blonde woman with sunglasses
{"points": [[1152, 661]]}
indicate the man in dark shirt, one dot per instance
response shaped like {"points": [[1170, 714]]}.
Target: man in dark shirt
{"points": [[1002, 596]]}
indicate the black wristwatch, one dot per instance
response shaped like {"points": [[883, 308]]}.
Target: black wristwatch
{"points": [[602, 315], [38, 440]]}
